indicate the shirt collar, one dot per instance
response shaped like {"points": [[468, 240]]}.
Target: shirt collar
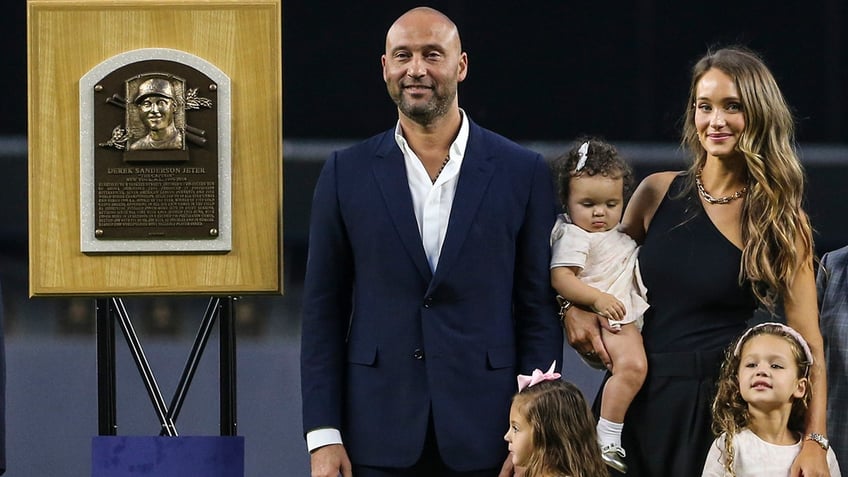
{"points": [[457, 148]]}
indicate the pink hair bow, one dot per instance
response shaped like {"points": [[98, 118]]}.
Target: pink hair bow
{"points": [[537, 377]]}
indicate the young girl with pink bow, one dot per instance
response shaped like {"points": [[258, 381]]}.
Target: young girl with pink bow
{"points": [[551, 430]]}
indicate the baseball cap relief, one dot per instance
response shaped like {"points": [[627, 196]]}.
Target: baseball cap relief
{"points": [[155, 86]]}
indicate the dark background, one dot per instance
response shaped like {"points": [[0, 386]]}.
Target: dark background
{"points": [[550, 70], [539, 70]]}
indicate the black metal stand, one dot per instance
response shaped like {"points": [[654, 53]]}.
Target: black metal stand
{"points": [[107, 423], [108, 310]]}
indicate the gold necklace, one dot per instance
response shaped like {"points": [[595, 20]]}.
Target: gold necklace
{"points": [[717, 200], [439, 172]]}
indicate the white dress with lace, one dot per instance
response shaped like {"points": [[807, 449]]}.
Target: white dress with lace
{"points": [[607, 261], [754, 457]]}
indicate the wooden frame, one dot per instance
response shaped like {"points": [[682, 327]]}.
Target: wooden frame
{"points": [[66, 38]]}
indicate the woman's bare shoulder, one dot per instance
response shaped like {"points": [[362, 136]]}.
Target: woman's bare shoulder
{"points": [[646, 198], [653, 188], [659, 181]]}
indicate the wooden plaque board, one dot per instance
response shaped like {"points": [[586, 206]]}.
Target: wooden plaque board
{"points": [[66, 39]]}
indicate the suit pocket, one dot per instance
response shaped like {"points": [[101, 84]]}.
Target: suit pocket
{"points": [[501, 357], [362, 355]]}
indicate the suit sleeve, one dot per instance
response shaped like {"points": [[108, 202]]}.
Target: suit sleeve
{"points": [[326, 306], [539, 336]]}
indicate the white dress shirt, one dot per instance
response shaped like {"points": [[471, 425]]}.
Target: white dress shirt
{"points": [[431, 203]]}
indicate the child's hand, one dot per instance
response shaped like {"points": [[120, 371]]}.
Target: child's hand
{"points": [[609, 306]]}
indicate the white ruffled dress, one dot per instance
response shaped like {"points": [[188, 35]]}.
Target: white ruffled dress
{"points": [[608, 262]]}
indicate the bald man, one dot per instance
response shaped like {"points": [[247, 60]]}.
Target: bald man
{"points": [[427, 287]]}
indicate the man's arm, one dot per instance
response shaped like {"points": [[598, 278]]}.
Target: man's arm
{"points": [[539, 337], [326, 308]]}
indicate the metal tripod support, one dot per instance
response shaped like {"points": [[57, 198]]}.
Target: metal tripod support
{"points": [[112, 310]]}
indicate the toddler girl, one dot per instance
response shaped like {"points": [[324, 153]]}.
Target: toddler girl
{"points": [[594, 264], [761, 405], [551, 432]]}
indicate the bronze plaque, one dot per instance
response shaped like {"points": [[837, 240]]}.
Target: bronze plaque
{"points": [[155, 172], [156, 167]]}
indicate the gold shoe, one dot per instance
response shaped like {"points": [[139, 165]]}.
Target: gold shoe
{"points": [[613, 456]]}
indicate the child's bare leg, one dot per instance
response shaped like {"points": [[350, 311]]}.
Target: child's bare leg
{"points": [[629, 366]]}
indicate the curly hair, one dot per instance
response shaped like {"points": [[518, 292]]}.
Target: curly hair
{"points": [[563, 431], [602, 158], [729, 409], [773, 221]]}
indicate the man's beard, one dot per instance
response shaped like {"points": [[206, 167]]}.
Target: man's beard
{"points": [[426, 113]]}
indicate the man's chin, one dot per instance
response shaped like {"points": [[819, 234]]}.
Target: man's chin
{"points": [[421, 114]]}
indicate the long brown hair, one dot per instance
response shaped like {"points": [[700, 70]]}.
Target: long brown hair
{"points": [[772, 219], [563, 431]]}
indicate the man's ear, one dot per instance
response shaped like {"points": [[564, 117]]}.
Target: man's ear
{"points": [[463, 67], [383, 65]]}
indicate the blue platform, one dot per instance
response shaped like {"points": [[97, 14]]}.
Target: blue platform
{"points": [[133, 456]]}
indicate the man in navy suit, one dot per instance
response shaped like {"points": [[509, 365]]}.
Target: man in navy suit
{"points": [[832, 284], [427, 287]]}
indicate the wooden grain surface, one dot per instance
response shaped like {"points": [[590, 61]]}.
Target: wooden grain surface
{"points": [[68, 38]]}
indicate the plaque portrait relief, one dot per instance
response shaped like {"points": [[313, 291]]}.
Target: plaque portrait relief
{"points": [[157, 109], [156, 170]]}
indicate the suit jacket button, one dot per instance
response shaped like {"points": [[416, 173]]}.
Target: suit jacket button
{"points": [[428, 302], [418, 354]]}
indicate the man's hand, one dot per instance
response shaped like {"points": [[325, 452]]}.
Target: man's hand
{"points": [[330, 461], [583, 330]]}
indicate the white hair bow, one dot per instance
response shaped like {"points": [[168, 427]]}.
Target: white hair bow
{"points": [[582, 153]]}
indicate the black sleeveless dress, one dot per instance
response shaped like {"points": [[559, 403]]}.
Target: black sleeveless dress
{"points": [[697, 308]]}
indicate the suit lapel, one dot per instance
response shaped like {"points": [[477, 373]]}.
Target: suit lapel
{"points": [[474, 178], [390, 173]]}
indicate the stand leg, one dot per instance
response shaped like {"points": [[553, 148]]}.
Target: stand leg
{"points": [[196, 353], [144, 368], [106, 408], [228, 368]]}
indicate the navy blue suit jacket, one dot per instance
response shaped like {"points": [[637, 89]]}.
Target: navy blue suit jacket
{"points": [[385, 341]]}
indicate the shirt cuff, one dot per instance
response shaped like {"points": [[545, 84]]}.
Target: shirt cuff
{"points": [[322, 437]]}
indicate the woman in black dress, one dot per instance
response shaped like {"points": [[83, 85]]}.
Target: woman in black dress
{"points": [[717, 240]]}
